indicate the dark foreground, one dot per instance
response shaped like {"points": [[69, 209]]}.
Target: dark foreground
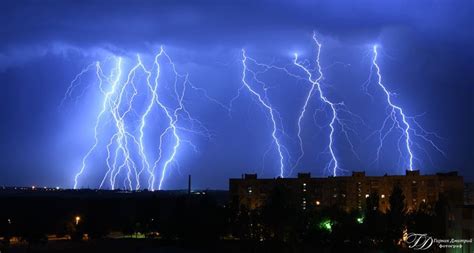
{"points": [[168, 222], [160, 246]]}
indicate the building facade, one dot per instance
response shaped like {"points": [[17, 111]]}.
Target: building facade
{"points": [[350, 192]]}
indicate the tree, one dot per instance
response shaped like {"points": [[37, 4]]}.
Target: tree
{"points": [[396, 216], [441, 215], [246, 223], [374, 221], [421, 220], [279, 212]]}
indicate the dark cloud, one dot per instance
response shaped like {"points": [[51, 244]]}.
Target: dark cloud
{"points": [[215, 22]]}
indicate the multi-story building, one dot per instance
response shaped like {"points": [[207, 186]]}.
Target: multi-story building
{"points": [[350, 192], [469, 193]]}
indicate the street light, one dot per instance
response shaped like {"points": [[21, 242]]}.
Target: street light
{"points": [[77, 219]]}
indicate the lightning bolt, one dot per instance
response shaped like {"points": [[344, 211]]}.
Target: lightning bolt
{"points": [[397, 120], [126, 150], [128, 157], [335, 109], [172, 118], [107, 97], [123, 135], [76, 82], [262, 99]]}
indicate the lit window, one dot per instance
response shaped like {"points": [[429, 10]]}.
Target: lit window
{"points": [[383, 196], [318, 203], [366, 195]]}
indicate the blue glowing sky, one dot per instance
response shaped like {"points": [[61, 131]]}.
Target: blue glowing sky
{"points": [[426, 55]]}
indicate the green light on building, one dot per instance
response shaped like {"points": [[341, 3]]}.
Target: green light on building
{"points": [[360, 219]]}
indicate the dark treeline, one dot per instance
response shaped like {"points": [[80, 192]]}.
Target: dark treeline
{"points": [[203, 222]]}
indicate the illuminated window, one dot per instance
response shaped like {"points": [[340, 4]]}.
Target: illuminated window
{"points": [[318, 203], [366, 195], [383, 196]]}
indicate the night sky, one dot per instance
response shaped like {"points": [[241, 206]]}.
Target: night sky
{"points": [[426, 58]]}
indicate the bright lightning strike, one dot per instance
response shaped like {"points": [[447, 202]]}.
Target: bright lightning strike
{"points": [[125, 109], [335, 109], [262, 99], [105, 103], [397, 120]]}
